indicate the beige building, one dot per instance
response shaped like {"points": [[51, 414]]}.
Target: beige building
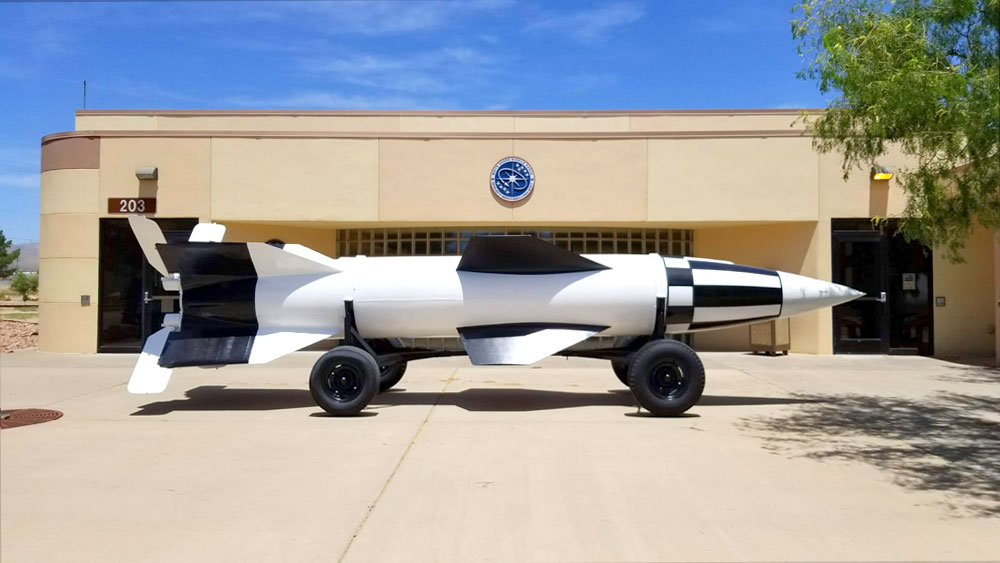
{"points": [[740, 185]]}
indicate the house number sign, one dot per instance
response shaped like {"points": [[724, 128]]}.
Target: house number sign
{"points": [[128, 205]]}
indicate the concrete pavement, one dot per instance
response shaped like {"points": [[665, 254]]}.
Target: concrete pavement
{"points": [[796, 458]]}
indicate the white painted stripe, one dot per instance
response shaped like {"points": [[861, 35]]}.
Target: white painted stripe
{"points": [[676, 263], [671, 329], [659, 275], [708, 260], [726, 277], [718, 314], [680, 296]]}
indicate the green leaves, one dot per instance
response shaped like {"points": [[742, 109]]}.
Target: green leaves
{"points": [[7, 257], [921, 75]]}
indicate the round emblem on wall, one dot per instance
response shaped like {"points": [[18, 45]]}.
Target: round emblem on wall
{"points": [[512, 179]]}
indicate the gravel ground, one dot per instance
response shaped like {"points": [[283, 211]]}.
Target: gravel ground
{"points": [[15, 335]]}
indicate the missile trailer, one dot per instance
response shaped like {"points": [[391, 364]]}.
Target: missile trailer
{"points": [[512, 300]]}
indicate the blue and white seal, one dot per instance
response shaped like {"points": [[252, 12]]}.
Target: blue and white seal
{"points": [[512, 179]]}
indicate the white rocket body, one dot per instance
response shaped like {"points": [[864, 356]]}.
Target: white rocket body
{"points": [[427, 297], [252, 303]]}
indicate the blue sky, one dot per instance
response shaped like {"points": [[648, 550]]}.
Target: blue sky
{"points": [[478, 54]]}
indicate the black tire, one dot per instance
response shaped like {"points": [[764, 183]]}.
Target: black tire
{"points": [[666, 377], [344, 380], [390, 376], [620, 367]]}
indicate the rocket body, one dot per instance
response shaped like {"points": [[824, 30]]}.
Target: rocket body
{"points": [[429, 297], [512, 300]]}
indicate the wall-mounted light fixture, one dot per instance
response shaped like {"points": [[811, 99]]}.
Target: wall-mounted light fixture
{"points": [[881, 173], [147, 173]]}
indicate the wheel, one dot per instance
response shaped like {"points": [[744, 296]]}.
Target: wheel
{"points": [[344, 380], [620, 366], [666, 377], [391, 375]]}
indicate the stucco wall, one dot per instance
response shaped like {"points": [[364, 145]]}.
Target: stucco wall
{"points": [[68, 248], [320, 239], [966, 326], [790, 247]]}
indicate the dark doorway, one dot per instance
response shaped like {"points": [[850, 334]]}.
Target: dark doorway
{"points": [[132, 301], [895, 315]]}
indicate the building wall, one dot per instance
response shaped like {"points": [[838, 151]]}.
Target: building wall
{"points": [[789, 247], [748, 182], [320, 239], [966, 326], [68, 246]]}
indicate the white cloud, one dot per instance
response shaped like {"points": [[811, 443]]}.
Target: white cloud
{"points": [[587, 82], [19, 167], [372, 18], [421, 73], [135, 89], [23, 181], [317, 99], [594, 24]]}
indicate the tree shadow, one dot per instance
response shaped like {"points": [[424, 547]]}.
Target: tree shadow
{"points": [[947, 442], [970, 374], [221, 398]]}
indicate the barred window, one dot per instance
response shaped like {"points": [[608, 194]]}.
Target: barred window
{"points": [[452, 241]]}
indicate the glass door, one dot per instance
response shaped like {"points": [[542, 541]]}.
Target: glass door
{"points": [[859, 261], [131, 299]]}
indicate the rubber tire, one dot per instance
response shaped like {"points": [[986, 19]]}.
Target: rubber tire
{"points": [[620, 367], [654, 355], [365, 368], [390, 376]]}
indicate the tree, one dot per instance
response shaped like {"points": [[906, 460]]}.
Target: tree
{"points": [[921, 75], [7, 257], [24, 284]]}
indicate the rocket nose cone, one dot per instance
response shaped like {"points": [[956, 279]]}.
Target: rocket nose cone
{"points": [[801, 294]]}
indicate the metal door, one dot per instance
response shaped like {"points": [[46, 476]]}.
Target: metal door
{"points": [[859, 260]]}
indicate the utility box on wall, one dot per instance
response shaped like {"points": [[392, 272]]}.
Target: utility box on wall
{"points": [[770, 337]]}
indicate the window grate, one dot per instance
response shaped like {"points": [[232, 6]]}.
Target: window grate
{"points": [[452, 241]]}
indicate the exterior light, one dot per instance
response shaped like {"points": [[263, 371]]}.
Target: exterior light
{"points": [[881, 173], [147, 173]]}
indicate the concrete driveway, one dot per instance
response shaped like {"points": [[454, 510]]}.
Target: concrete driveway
{"points": [[789, 458]]}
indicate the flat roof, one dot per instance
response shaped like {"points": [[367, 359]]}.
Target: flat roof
{"points": [[534, 113]]}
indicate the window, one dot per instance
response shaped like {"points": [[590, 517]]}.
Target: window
{"points": [[437, 242]]}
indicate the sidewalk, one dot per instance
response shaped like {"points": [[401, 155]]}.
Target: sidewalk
{"points": [[788, 458]]}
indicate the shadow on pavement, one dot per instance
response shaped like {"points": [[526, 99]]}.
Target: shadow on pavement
{"points": [[221, 398], [947, 442], [971, 374]]}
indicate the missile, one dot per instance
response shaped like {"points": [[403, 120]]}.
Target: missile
{"points": [[512, 300]]}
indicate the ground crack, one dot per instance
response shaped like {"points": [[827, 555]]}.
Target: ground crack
{"points": [[402, 458]]}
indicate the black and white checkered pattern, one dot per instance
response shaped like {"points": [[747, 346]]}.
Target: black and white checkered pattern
{"points": [[703, 294]]}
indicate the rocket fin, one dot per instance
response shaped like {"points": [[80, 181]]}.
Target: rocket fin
{"points": [[207, 232], [293, 259], [148, 376], [521, 254], [148, 233], [521, 343], [270, 344]]}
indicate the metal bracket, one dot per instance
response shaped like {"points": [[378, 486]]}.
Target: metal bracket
{"points": [[351, 335], [660, 325]]}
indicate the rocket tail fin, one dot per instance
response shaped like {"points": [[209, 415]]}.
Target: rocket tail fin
{"points": [[149, 235], [149, 376], [521, 343], [218, 282]]}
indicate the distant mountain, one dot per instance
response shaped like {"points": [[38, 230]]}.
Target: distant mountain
{"points": [[28, 260]]}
